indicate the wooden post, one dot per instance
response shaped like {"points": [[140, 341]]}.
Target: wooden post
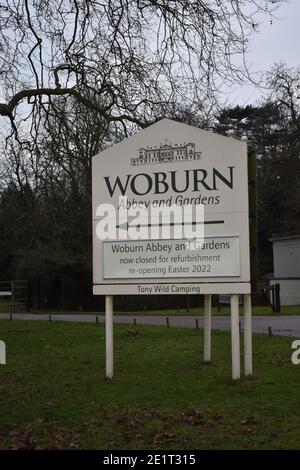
{"points": [[277, 297], [235, 337], [270, 330], [207, 327], [247, 334], [12, 288], [109, 336]]}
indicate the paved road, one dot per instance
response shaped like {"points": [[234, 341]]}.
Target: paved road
{"points": [[281, 325]]}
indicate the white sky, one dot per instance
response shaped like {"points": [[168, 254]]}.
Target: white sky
{"points": [[279, 41]]}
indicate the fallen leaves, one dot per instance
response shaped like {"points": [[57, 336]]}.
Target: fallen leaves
{"points": [[162, 437], [22, 441], [52, 437]]}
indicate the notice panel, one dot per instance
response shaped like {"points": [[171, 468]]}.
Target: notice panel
{"points": [[147, 194], [148, 259]]}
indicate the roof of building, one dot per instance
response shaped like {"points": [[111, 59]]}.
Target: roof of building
{"points": [[276, 237]]}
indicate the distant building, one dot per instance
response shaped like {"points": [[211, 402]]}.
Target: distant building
{"points": [[166, 153], [286, 256]]}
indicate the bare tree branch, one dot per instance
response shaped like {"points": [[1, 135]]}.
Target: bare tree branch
{"points": [[126, 59]]}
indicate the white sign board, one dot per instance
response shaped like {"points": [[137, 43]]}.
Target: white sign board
{"points": [[164, 166], [215, 257]]}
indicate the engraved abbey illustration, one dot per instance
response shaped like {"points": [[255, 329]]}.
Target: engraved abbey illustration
{"points": [[166, 153]]}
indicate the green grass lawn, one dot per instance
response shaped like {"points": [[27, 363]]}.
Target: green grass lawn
{"points": [[54, 394], [5, 306]]}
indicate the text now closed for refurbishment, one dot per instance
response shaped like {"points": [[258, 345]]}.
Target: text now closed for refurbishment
{"points": [[172, 258]]}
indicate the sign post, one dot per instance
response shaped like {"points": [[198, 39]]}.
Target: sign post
{"points": [[247, 334], [235, 336], [171, 217], [207, 328], [109, 329]]}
